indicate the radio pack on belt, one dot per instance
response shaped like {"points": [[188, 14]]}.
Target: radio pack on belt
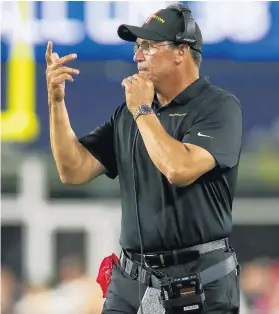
{"points": [[186, 294], [182, 294]]}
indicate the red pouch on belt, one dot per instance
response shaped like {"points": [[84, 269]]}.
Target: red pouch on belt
{"points": [[105, 271]]}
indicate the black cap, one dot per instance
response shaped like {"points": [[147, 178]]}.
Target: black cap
{"points": [[163, 25]]}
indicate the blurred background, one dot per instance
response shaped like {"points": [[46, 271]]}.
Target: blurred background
{"points": [[53, 237]]}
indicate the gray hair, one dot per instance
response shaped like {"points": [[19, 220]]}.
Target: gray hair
{"points": [[196, 56]]}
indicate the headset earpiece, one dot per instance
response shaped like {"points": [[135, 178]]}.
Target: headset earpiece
{"points": [[189, 34]]}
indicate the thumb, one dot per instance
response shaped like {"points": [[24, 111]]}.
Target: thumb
{"points": [[54, 57]]}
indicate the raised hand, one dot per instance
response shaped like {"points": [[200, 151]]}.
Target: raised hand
{"points": [[57, 73]]}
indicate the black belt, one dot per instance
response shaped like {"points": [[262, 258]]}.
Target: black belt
{"points": [[215, 272], [176, 257]]}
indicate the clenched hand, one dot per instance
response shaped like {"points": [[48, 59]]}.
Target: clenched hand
{"points": [[139, 91]]}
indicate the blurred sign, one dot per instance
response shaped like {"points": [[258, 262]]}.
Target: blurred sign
{"points": [[242, 30], [19, 121]]}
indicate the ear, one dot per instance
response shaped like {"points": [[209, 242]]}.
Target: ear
{"points": [[181, 53]]}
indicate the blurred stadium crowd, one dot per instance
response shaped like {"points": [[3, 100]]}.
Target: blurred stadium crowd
{"points": [[75, 291]]}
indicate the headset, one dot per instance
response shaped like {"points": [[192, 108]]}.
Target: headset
{"points": [[189, 35]]}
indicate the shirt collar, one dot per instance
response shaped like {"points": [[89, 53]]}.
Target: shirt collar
{"points": [[189, 92], [192, 91]]}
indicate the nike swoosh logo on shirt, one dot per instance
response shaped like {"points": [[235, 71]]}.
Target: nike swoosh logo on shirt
{"points": [[204, 135]]}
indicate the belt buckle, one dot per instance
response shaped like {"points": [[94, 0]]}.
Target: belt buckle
{"points": [[161, 257], [145, 264], [144, 259]]}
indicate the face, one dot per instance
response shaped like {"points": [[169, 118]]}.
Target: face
{"points": [[156, 60]]}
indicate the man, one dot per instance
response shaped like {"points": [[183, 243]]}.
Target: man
{"points": [[175, 145]]}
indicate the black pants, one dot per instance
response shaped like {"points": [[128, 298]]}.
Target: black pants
{"points": [[222, 296]]}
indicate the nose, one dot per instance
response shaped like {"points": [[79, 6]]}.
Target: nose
{"points": [[138, 56]]}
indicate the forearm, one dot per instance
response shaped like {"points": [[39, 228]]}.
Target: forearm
{"points": [[167, 154], [66, 149]]}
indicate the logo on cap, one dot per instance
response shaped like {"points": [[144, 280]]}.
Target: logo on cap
{"points": [[154, 16]]}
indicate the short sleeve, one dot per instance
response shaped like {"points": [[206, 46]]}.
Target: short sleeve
{"points": [[219, 131], [100, 143]]}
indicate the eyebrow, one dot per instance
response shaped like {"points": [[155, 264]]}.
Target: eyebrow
{"points": [[144, 41], [147, 42]]}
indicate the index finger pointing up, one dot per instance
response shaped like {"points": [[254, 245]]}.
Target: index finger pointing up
{"points": [[49, 53]]}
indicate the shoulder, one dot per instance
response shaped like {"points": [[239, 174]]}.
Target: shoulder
{"points": [[120, 109], [222, 96], [119, 112], [221, 101]]}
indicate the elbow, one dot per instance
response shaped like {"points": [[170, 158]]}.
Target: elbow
{"points": [[179, 178], [66, 180], [73, 178], [67, 177], [71, 181]]}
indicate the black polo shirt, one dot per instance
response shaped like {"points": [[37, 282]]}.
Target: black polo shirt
{"points": [[174, 217]]}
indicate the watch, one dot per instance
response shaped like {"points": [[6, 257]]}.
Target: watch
{"points": [[142, 109]]}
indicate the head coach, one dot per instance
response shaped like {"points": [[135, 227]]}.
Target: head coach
{"points": [[175, 145]]}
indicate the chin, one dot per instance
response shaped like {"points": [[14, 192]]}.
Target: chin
{"points": [[145, 74]]}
